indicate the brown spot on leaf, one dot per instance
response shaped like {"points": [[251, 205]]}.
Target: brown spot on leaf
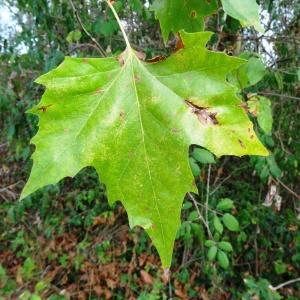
{"points": [[242, 144], [122, 116], [156, 58], [179, 43], [137, 78], [98, 91], [244, 106], [252, 137], [204, 116], [121, 58], [85, 60], [44, 107], [175, 130], [193, 14]]}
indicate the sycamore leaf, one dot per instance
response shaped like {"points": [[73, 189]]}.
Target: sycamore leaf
{"points": [[134, 122], [246, 11], [175, 15]]}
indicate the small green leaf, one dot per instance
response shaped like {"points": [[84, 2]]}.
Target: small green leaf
{"points": [[212, 252], [273, 166], [2, 271], [231, 222], [250, 73], [209, 243], [265, 118], [74, 36], [40, 286], [246, 11], [195, 167], [223, 259], [35, 297], [203, 156], [225, 246], [280, 267], [225, 204], [218, 225], [193, 216]]}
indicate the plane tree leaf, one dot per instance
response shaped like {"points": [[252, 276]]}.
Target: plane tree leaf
{"points": [[134, 122], [247, 12], [175, 15]]}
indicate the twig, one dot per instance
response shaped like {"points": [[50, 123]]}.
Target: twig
{"points": [[207, 193], [284, 284], [99, 48], [287, 188], [200, 215], [109, 3], [86, 45], [279, 95]]}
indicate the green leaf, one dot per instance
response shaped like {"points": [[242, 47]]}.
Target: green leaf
{"points": [[247, 12], [74, 36], [209, 243], [261, 108], [134, 123], [175, 15], [231, 222], [218, 225], [193, 216], [194, 167], [212, 252], [203, 156], [225, 246], [2, 272], [225, 204], [250, 73], [223, 259], [273, 166]]}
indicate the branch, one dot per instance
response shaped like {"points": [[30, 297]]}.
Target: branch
{"points": [[284, 284], [279, 95], [100, 49], [287, 188], [200, 215]]}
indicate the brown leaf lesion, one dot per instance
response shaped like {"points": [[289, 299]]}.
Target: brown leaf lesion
{"points": [[44, 107], [205, 116]]}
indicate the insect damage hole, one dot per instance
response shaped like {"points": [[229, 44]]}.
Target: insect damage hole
{"points": [[204, 116]]}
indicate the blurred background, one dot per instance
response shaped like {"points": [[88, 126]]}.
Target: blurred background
{"points": [[65, 242]]}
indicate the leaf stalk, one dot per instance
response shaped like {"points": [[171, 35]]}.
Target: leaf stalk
{"points": [[109, 3]]}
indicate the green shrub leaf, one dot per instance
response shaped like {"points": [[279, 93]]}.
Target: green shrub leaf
{"points": [[225, 246], [231, 222], [212, 252], [223, 259], [218, 225], [203, 156], [225, 204]]}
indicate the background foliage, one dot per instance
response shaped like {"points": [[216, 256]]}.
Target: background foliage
{"points": [[66, 242]]}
